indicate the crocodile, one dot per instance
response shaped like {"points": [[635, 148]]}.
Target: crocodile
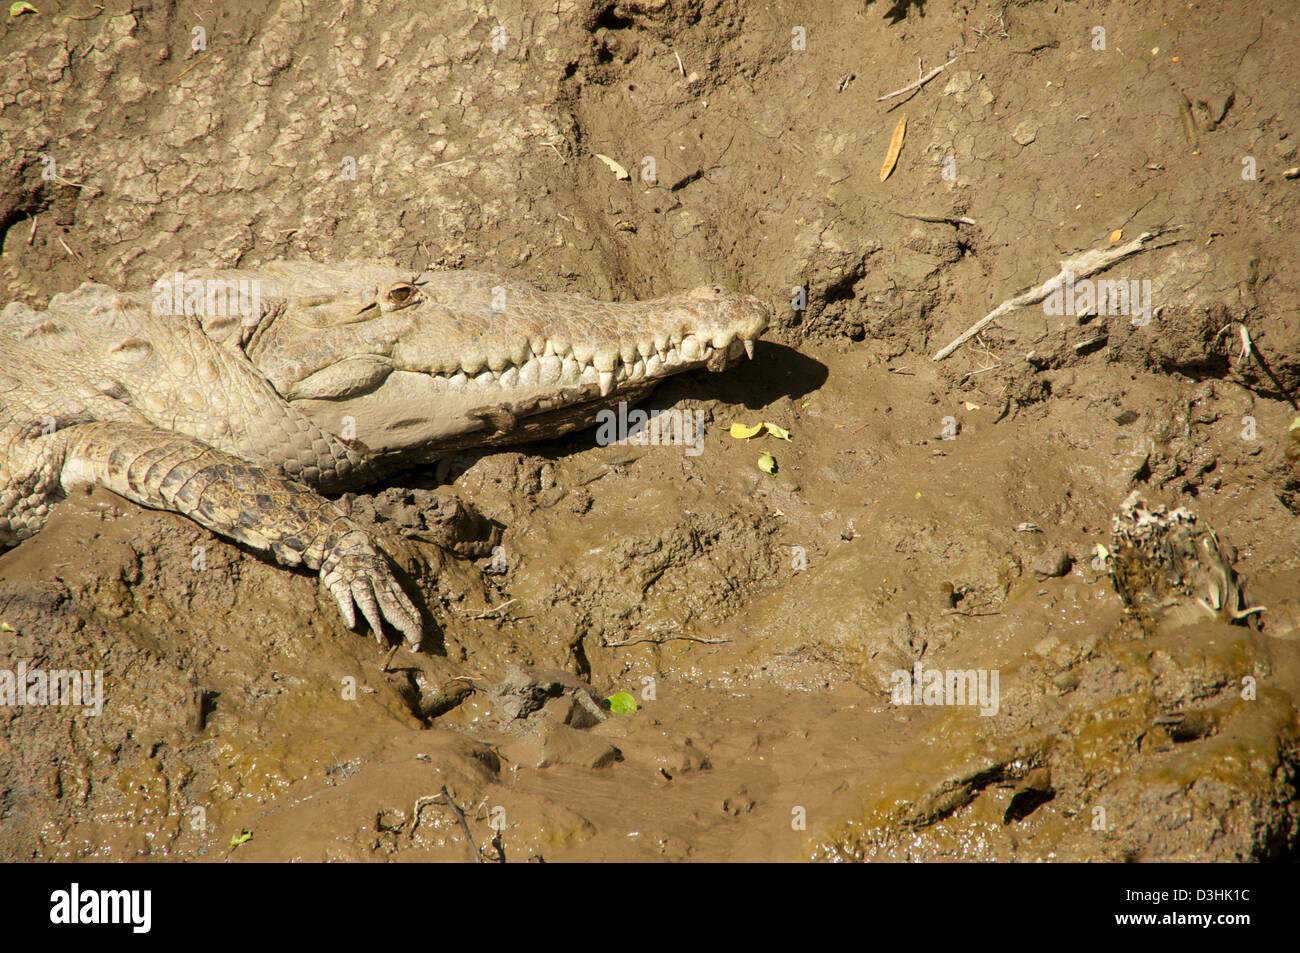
{"points": [[244, 398]]}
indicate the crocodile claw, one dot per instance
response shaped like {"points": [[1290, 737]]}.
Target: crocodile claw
{"points": [[359, 577]]}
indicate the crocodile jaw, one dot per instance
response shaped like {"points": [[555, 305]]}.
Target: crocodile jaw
{"points": [[535, 377]]}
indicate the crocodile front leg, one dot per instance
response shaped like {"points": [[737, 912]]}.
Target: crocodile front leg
{"points": [[267, 512]]}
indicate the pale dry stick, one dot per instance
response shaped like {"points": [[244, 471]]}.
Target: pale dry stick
{"points": [[464, 158], [1080, 266], [79, 185], [1247, 346], [917, 84], [31, 236], [1248, 350], [937, 219], [666, 638], [70, 252], [494, 611], [679, 63], [982, 370]]}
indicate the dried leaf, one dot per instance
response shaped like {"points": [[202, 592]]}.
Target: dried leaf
{"points": [[619, 171], [895, 147], [1116, 235]]}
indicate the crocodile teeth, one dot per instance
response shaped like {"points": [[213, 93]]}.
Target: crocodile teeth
{"points": [[749, 348], [606, 383]]}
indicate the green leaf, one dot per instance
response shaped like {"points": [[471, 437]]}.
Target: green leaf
{"points": [[18, 9], [767, 463], [779, 432], [621, 703], [243, 837]]}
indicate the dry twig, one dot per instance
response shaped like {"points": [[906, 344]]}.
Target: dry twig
{"points": [[917, 84], [666, 638], [1080, 266]]}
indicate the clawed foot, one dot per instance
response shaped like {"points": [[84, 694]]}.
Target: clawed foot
{"points": [[360, 577]]}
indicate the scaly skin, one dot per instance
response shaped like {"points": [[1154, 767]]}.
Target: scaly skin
{"points": [[337, 375]]}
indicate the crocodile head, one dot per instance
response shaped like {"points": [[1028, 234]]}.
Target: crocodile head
{"points": [[408, 365]]}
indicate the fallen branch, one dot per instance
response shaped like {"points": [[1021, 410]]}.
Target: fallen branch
{"points": [[497, 610], [937, 219], [447, 799], [666, 638], [1080, 266], [1250, 349], [917, 84]]}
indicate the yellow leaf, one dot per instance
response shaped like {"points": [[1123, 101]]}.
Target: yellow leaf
{"points": [[741, 432], [779, 432], [767, 463], [918, 495], [895, 147], [619, 171], [970, 406], [18, 9], [1116, 235]]}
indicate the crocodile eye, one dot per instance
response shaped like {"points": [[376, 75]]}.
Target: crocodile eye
{"points": [[401, 294]]}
